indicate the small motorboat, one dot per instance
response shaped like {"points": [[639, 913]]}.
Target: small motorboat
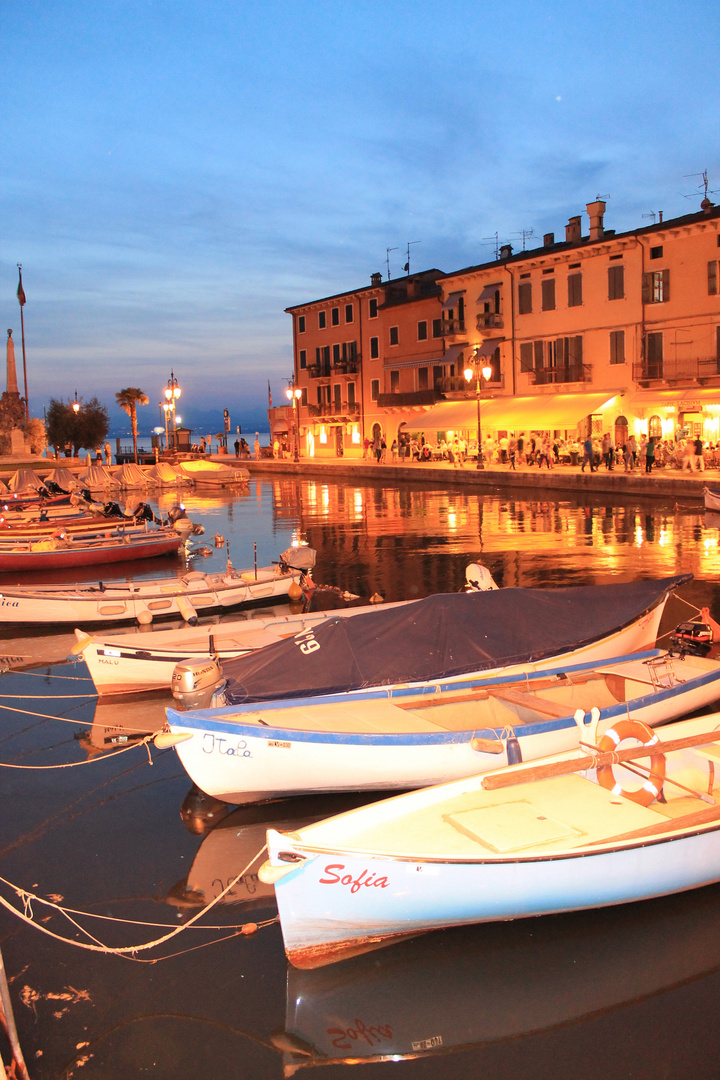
{"points": [[212, 473], [712, 498], [633, 817], [58, 552]]}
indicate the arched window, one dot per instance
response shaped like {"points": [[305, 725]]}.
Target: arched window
{"points": [[655, 427], [621, 431]]}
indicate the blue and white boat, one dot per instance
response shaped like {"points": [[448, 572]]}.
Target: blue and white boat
{"points": [[574, 832]]}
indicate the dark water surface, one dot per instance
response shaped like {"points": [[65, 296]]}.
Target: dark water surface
{"points": [[631, 992]]}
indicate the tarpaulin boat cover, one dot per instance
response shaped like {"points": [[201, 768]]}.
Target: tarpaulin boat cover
{"points": [[442, 635]]}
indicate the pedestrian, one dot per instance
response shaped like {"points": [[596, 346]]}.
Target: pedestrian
{"points": [[108, 454], [203, 444], [544, 453], [650, 455], [521, 458], [588, 455], [256, 446], [699, 459], [512, 452], [237, 448], [607, 451], [632, 450], [366, 446], [383, 450], [377, 448]]}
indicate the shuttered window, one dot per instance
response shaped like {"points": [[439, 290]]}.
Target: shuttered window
{"points": [[616, 282], [574, 290], [712, 277], [617, 346], [548, 294], [525, 298], [526, 356], [656, 287], [374, 348]]}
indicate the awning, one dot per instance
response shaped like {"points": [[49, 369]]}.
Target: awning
{"points": [[489, 346], [538, 413], [453, 352], [685, 399], [488, 292], [452, 300]]}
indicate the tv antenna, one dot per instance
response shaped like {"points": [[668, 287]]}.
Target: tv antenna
{"points": [[703, 185], [387, 256], [526, 234], [492, 240], [406, 267]]}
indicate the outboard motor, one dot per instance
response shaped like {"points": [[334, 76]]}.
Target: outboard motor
{"points": [[112, 510], [181, 523], [196, 681], [695, 638], [298, 558], [478, 578]]}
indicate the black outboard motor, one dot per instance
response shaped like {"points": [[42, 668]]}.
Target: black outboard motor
{"points": [[112, 510], [695, 638]]}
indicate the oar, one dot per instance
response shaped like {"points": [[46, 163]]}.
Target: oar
{"points": [[593, 761]]}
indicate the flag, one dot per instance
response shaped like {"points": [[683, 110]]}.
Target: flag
{"points": [[269, 396], [20, 290]]}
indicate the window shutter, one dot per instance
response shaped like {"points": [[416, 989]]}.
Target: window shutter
{"points": [[526, 356], [539, 354], [712, 277], [647, 288], [666, 285]]}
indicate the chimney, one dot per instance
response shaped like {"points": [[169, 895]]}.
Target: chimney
{"points": [[595, 213], [548, 239], [506, 251], [573, 230], [376, 279]]}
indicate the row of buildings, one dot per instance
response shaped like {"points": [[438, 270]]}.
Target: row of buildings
{"points": [[616, 332]]}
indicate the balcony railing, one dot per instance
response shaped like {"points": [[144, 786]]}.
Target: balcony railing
{"points": [[345, 367], [572, 373], [457, 384], [318, 371], [490, 320], [330, 408], [697, 368], [453, 326], [411, 397]]}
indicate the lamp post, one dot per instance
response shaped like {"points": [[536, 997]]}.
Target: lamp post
{"points": [[172, 393], [293, 394], [481, 374], [76, 404]]}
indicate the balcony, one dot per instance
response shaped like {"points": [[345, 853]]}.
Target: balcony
{"points": [[452, 327], [490, 320], [457, 384], [318, 371], [342, 412], [572, 373], [698, 369], [345, 367]]}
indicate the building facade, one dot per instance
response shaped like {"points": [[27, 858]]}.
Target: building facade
{"points": [[589, 334]]}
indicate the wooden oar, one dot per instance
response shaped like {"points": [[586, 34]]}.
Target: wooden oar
{"points": [[493, 781]]}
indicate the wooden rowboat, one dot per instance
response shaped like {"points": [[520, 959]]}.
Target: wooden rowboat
{"points": [[564, 835], [51, 554], [395, 739]]}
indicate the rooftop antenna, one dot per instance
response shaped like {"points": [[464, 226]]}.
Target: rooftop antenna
{"points": [[387, 256], [406, 267], [599, 198], [704, 184], [652, 215], [526, 234], [492, 240]]}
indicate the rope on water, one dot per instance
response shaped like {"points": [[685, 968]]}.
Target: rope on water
{"points": [[44, 675], [126, 951], [89, 761]]}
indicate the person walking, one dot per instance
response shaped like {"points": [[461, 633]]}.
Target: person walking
{"points": [[237, 448], [650, 455], [699, 459], [256, 446], [394, 450], [607, 451], [587, 455]]}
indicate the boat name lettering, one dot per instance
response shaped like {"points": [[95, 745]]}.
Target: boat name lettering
{"points": [[105, 660], [343, 1038], [348, 879], [283, 745], [249, 881], [219, 744], [9, 603], [427, 1044], [307, 641]]}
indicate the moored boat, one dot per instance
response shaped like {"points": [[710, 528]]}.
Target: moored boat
{"points": [[212, 473], [395, 739], [712, 498], [57, 553], [563, 835]]}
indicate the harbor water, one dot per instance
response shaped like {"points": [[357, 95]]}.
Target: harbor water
{"points": [[106, 846]]}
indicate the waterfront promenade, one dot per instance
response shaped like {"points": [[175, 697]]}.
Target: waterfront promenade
{"points": [[665, 482]]}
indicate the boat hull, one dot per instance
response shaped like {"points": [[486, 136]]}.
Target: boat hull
{"points": [[88, 554]]}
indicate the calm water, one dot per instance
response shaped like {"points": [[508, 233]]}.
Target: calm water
{"points": [[628, 993]]}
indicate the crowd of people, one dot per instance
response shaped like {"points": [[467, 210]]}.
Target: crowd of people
{"points": [[537, 449]]}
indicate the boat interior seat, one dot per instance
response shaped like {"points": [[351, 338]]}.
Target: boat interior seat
{"points": [[386, 720]]}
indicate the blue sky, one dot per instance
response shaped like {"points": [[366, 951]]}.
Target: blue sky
{"points": [[175, 174]]}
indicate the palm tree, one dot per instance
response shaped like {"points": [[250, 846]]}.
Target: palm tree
{"points": [[129, 399]]}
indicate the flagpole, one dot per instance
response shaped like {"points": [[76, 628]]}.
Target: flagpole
{"points": [[21, 301]]}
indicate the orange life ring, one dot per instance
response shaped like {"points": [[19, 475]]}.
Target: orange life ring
{"points": [[632, 729]]}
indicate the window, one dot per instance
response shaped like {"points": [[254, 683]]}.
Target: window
{"points": [[349, 313], [526, 356], [656, 252], [656, 287], [654, 356], [337, 395], [351, 393], [423, 381], [617, 346], [304, 398], [437, 328], [394, 382], [616, 282], [321, 320], [301, 324], [335, 316], [712, 277], [525, 298], [374, 389], [372, 305], [336, 354], [574, 290], [548, 294], [303, 358], [374, 348], [394, 335], [422, 330]]}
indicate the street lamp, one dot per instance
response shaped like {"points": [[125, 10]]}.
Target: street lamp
{"points": [[482, 374], [293, 394], [76, 404], [172, 393]]}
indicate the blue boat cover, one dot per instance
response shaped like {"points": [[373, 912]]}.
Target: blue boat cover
{"points": [[442, 635]]}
